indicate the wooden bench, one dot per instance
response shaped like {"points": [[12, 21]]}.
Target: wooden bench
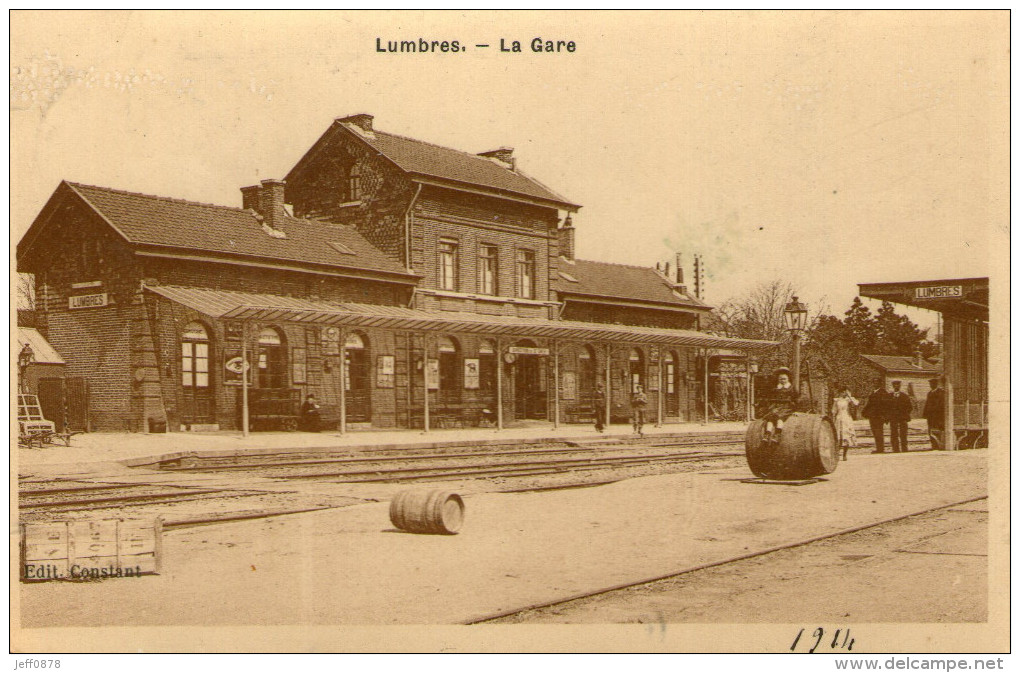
{"points": [[274, 408]]}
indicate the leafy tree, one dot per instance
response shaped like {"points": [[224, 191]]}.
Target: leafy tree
{"points": [[862, 326], [838, 344]]}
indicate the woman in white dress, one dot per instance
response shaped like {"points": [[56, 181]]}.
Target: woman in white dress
{"points": [[844, 420]]}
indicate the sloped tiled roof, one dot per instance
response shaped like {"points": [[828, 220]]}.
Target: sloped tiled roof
{"points": [[619, 281], [155, 220], [418, 157], [902, 363]]}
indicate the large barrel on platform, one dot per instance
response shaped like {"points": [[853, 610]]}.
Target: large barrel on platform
{"points": [[807, 448], [434, 511]]}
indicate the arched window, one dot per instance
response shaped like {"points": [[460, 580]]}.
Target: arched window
{"points": [[270, 337], [450, 374], [636, 369], [487, 363], [354, 183], [356, 373], [195, 356], [272, 359]]}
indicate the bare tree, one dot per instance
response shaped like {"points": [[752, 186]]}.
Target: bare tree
{"points": [[759, 313], [26, 291]]}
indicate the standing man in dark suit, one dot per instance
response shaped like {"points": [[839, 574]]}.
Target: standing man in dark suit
{"points": [[876, 410], [934, 413], [598, 401], [899, 414]]}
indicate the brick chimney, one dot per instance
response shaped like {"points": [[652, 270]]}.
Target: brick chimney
{"points": [[503, 154], [362, 121], [267, 200], [679, 269], [272, 203], [250, 198], [565, 234]]}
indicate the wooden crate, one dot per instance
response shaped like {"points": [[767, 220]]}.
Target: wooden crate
{"points": [[90, 549]]}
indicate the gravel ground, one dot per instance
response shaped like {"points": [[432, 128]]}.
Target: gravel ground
{"points": [[863, 577]]}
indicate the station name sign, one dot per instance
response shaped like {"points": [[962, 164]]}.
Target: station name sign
{"points": [[938, 292], [527, 350], [88, 300]]}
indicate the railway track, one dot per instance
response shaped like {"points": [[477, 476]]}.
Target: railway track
{"points": [[514, 614], [616, 458]]}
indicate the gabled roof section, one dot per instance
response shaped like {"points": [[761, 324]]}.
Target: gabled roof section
{"points": [[42, 351], [619, 281], [904, 364], [205, 229], [454, 168]]}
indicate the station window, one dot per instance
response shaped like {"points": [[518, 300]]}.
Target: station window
{"points": [[354, 183], [447, 264], [636, 369], [449, 370], [487, 365], [488, 269], [526, 274], [195, 356]]}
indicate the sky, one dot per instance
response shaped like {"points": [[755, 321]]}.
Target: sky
{"points": [[826, 149]]}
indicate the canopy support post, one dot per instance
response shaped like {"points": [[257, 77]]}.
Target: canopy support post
{"points": [[609, 384], [750, 392], [425, 375], [499, 384], [245, 415], [658, 410], [343, 382], [556, 384], [705, 351]]}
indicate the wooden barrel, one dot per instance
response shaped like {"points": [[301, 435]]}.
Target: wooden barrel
{"points": [[434, 511], [807, 448]]}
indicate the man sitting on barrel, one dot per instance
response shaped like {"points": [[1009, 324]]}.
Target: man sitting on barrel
{"points": [[776, 406]]}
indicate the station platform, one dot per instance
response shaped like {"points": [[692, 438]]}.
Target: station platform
{"points": [[135, 448], [350, 566]]}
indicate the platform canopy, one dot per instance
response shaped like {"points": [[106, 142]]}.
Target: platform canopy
{"points": [[965, 298], [229, 305]]}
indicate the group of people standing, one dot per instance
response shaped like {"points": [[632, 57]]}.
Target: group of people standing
{"points": [[894, 408]]}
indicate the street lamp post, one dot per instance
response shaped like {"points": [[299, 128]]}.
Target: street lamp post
{"points": [[796, 320]]}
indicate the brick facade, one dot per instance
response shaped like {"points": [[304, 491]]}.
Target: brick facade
{"points": [[131, 352]]}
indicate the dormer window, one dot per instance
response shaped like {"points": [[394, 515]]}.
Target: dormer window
{"points": [[354, 183]]}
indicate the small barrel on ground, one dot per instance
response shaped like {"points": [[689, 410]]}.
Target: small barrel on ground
{"points": [[437, 512], [807, 448]]}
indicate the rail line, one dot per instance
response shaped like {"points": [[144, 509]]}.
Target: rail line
{"points": [[563, 458], [504, 614]]}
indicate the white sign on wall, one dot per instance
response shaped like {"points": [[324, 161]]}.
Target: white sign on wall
{"points": [[938, 292], [528, 350], [88, 300]]}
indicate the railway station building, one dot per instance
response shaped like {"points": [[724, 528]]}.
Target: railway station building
{"points": [[403, 284]]}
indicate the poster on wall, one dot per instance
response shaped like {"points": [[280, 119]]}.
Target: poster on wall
{"points": [[653, 378], [232, 367], [569, 385], [384, 371], [299, 358], [471, 376], [432, 374]]}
